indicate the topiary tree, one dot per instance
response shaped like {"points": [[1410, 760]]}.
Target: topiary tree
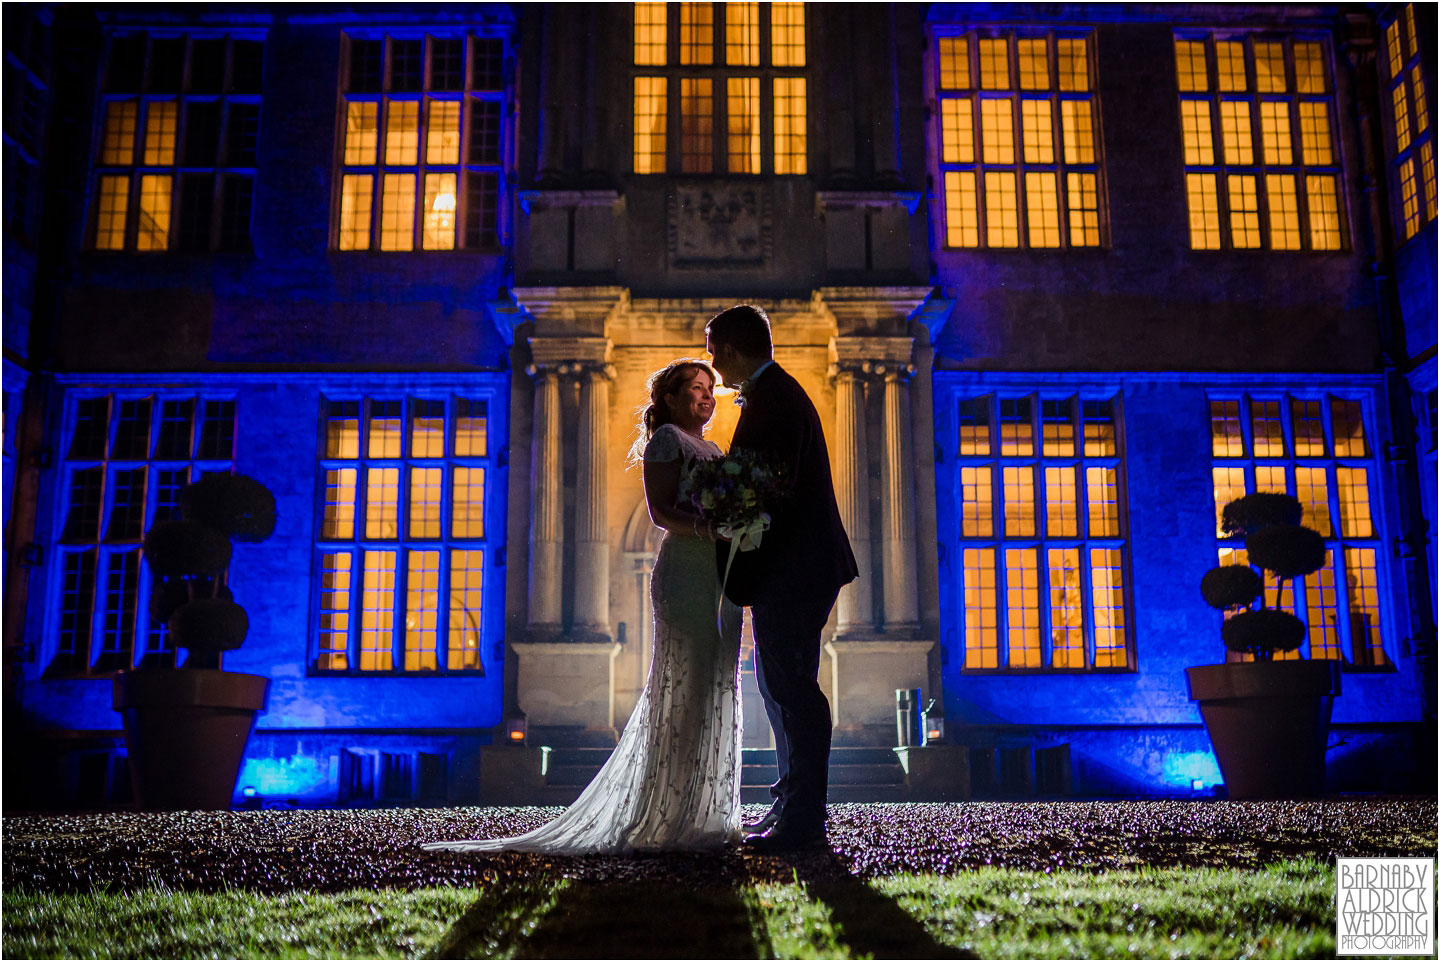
{"points": [[189, 558], [1279, 545]]}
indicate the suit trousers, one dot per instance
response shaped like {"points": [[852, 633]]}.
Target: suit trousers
{"points": [[787, 668]]}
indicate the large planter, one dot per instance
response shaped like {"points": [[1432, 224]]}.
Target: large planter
{"points": [[185, 731], [1269, 723]]}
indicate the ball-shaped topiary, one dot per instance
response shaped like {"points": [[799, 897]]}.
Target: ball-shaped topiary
{"points": [[1230, 586], [239, 507], [210, 625], [177, 549], [1261, 509], [1286, 550], [1263, 632]]}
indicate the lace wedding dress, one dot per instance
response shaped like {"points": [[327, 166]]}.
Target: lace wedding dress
{"points": [[672, 783]]}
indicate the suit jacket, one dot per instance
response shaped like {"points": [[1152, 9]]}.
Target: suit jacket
{"points": [[805, 552]]}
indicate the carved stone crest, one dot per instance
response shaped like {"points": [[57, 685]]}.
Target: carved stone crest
{"points": [[715, 224]]}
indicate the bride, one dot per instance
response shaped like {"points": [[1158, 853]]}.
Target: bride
{"points": [[673, 781]]}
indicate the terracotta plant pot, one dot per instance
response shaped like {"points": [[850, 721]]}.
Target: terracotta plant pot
{"points": [[185, 731], [1269, 723]]}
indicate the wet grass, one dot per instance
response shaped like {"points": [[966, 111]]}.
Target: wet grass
{"points": [[1283, 910]]}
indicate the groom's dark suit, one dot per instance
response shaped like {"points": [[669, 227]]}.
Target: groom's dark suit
{"points": [[790, 583]]}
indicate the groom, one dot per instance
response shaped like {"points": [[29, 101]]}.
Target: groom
{"points": [[790, 582]]}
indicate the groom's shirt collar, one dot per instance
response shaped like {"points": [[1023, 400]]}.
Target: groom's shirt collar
{"points": [[755, 374], [748, 384]]}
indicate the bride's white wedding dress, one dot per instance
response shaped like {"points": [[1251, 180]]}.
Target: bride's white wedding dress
{"points": [[672, 783]]}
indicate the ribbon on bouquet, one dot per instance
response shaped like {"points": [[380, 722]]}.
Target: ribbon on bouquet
{"points": [[743, 537]]}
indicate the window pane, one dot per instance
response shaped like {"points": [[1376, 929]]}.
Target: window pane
{"points": [[468, 511], [1275, 133], [1084, 197], [397, 212], [790, 125], [1309, 68], [1061, 516], [1309, 431], [1364, 597], [1079, 131], [471, 418], [1230, 65], [1034, 59], [402, 132], [342, 430], [1235, 133], [422, 609], [177, 425], [1067, 626], [1324, 210], [382, 495], [377, 612], [160, 125], [1270, 68], [974, 419], [1099, 429], [1002, 216], [743, 125], [994, 64], [1022, 608], [1267, 429], [217, 431], [650, 34], [1270, 477], [467, 571], [442, 132], [77, 610], [1348, 427], [1199, 140], [339, 520], [153, 225], [1042, 209], [1019, 501], [1315, 146], [1353, 490], [482, 201], [1107, 589], [447, 63], [439, 230], [1409, 202], [1226, 440], [1228, 484], [484, 131], [1038, 131], [1417, 85], [427, 429], [1057, 428], [362, 132], [981, 625], [110, 213], [1427, 172], [1284, 212], [1074, 64], [383, 437], [997, 131], [976, 503], [1244, 211], [1402, 117], [742, 34], [954, 63], [1190, 72], [405, 65], [118, 143], [697, 125], [117, 614], [132, 430], [787, 34], [1320, 610], [1017, 432], [1311, 490], [697, 33], [424, 515], [962, 215], [1204, 211], [957, 132], [487, 63], [1103, 500], [355, 193], [649, 125]]}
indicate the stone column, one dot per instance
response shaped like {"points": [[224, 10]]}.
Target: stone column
{"points": [[546, 534], [852, 491], [898, 516], [592, 545]]}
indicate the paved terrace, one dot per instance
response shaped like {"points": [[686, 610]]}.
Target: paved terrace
{"points": [[335, 850]]}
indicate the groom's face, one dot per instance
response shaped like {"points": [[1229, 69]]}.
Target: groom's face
{"points": [[722, 357]]}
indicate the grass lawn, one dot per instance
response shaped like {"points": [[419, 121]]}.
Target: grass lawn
{"points": [[1282, 911]]}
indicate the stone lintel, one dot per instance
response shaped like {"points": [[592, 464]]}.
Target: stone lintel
{"points": [[878, 310], [571, 310], [866, 353], [556, 352], [843, 199]]}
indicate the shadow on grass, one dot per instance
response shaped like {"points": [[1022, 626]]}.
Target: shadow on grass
{"points": [[868, 922]]}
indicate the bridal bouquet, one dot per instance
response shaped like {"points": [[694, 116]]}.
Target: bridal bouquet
{"points": [[734, 491]]}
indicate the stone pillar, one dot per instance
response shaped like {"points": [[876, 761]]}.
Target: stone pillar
{"points": [[592, 544], [898, 515], [852, 490], [546, 534]]}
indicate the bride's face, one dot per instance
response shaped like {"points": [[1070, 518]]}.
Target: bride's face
{"points": [[693, 403]]}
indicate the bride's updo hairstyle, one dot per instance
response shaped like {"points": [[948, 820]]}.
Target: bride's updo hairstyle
{"points": [[654, 412]]}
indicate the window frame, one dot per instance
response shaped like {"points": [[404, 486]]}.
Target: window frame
{"points": [[974, 93], [1336, 542], [719, 73], [1221, 169], [491, 544], [497, 226], [1041, 541], [1396, 159]]}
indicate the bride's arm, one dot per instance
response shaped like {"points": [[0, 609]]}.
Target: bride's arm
{"points": [[662, 487]]}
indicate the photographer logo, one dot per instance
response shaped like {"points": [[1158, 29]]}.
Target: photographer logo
{"points": [[1385, 906]]}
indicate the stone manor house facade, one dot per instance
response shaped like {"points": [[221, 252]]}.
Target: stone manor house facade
{"points": [[1061, 280]]}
